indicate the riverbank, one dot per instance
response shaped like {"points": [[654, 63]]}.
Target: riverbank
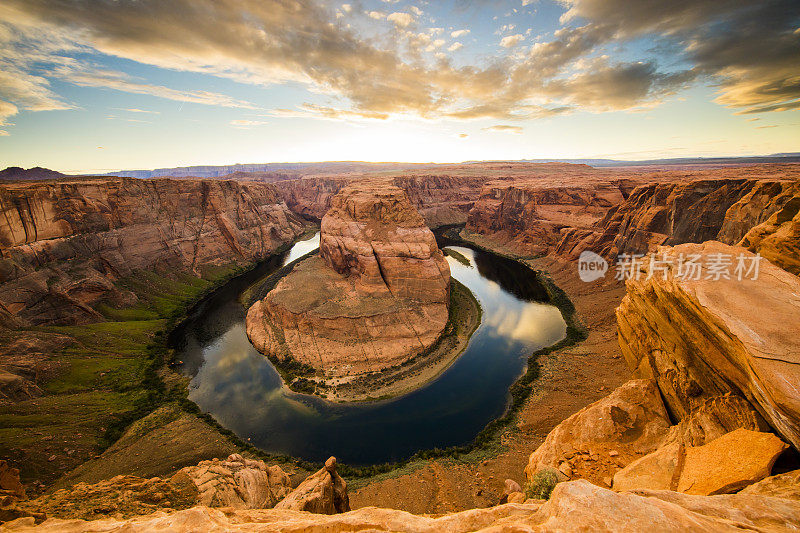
{"points": [[111, 379], [465, 317], [452, 481], [569, 379]]}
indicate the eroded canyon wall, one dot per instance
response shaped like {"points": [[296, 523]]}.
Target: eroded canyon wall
{"points": [[63, 244], [702, 337], [531, 218], [440, 199], [567, 209]]}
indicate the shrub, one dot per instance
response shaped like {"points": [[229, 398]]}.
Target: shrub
{"points": [[541, 484]]}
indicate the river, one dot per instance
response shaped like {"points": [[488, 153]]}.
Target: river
{"points": [[241, 389]]}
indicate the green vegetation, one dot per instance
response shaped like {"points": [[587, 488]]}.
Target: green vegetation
{"points": [[487, 442], [457, 256], [113, 375], [105, 379], [541, 484]]}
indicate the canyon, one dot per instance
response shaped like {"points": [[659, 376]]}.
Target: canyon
{"points": [[676, 409], [65, 243], [376, 296]]}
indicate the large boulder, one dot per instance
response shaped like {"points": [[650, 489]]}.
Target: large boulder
{"points": [[703, 338], [729, 463], [239, 483], [724, 465], [659, 470], [715, 417], [786, 485], [598, 440], [324, 492], [377, 295]]}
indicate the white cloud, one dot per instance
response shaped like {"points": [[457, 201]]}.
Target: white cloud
{"points": [[401, 20], [7, 109], [110, 79], [330, 113], [243, 123], [137, 110], [504, 128], [265, 42], [458, 33], [455, 46], [511, 41]]}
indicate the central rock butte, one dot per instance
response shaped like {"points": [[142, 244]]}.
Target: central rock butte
{"points": [[377, 294]]}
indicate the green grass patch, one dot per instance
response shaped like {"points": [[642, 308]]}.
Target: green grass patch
{"points": [[165, 295], [127, 338], [457, 256], [126, 314]]}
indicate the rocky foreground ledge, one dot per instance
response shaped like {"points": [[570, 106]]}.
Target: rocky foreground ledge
{"points": [[574, 506], [376, 295]]}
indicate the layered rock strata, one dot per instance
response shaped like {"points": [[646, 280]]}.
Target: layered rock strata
{"points": [[64, 244], [441, 199], [567, 209], [678, 212], [531, 218], [375, 296], [778, 238], [703, 338]]}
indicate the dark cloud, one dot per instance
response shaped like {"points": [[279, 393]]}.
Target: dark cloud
{"points": [[605, 86], [751, 50]]}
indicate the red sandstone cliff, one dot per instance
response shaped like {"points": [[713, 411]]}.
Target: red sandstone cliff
{"points": [[64, 243], [566, 214], [440, 199]]}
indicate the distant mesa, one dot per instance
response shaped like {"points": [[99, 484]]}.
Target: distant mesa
{"points": [[375, 296], [35, 173]]}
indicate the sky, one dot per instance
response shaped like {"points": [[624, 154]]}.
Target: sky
{"points": [[89, 86]]}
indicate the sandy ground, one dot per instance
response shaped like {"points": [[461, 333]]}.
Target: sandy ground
{"points": [[570, 379]]}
